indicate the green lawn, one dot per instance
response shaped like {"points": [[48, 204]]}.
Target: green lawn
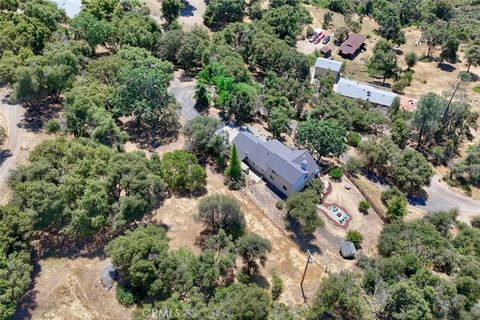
{"points": [[477, 89]]}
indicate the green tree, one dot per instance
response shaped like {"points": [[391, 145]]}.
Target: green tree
{"points": [[327, 19], [287, 21], [322, 137], [449, 49], [383, 62], [181, 171], [191, 49], [221, 212], [92, 30], [363, 206], [473, 55], [410, 59], [252, 248], [427, 117], [240, 301], [406, 302], [355, 237], [400, 133], [278, 121], [242, 103], [221, 12], [137, 30], [341, 34], [378, 153], [433, 35], [411, 171], [277, 286], [338, 294], [234, 171], [171, 9], [302, 206], [202, 137], [142, 92], [396, 207], [390, 29]]}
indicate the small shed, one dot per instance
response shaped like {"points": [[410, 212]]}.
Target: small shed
{"points": [[327, 66], [326, 51], [347, 250]]}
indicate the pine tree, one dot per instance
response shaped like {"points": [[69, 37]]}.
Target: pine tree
{"points": [[234, 170]]}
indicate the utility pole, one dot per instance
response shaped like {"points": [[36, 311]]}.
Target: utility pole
{"points": [[310, 260]]}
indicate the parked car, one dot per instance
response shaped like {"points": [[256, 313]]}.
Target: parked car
{"points": [[313, 36], [319, 38], [326, 39]]}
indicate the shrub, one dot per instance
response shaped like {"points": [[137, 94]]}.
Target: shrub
{"points": [[476, 222], [53, 126], [399, 85], [125, 296], [316, 185], [391, 193], [355, 237], [354, 165], [336, 173], [280, 204], [353, 139], [244, 277], [363, 206], [3, 134], [277, 286]]}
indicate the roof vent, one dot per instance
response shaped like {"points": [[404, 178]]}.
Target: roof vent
{"points": [[304, 165]]}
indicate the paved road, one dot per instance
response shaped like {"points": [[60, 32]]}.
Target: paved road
{"points": [[440, 197], [184, 93], [13, 115]]}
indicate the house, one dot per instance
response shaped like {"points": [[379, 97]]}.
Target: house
{"points": [[347, 250], [350, 47], [286, 169], [357, 90], [327, 66], [71, 7]]}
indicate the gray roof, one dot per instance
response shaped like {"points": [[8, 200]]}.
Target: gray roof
{"points": [[274, 155], [357, 90], [71, 7], [347, 249], [328, 64]]}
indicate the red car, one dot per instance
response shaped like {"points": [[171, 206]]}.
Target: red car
{"points": [[319, 38]]}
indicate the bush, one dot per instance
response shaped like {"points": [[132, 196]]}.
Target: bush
{"points": [[244, 277], [399, 85], [355, 237], [336, 173], [391, 193], [316, 185], [280, 204], [354, 165], [277, 286], [363, 206], [53, 126], [353, 139], [3, 134], [476, 222], [125, 296]]}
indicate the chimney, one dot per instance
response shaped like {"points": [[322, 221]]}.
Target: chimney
{"points": [[304, 165]]}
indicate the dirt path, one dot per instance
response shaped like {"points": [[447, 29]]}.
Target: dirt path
{"points": [[12, 115]]}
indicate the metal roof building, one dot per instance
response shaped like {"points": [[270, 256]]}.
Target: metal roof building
{"points": [[347, 250], [328, 64], [71, 7], [357, 90]]}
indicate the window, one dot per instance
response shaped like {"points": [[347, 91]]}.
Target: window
{"points": [[273, 171], [284, 188], [271, 177]]}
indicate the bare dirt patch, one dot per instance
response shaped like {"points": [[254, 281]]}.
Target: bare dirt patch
{"points": [[71, 289]]}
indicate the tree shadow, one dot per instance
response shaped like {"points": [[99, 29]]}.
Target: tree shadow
{"points": [[446, 67], [36, 115], [4, 155], [148, 138], [28, 303], [304, 241], [188, 10], [261, 281]]}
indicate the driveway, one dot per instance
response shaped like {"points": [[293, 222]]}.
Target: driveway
{"points": [[440, 197], [184, 93], [13, 115]]}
